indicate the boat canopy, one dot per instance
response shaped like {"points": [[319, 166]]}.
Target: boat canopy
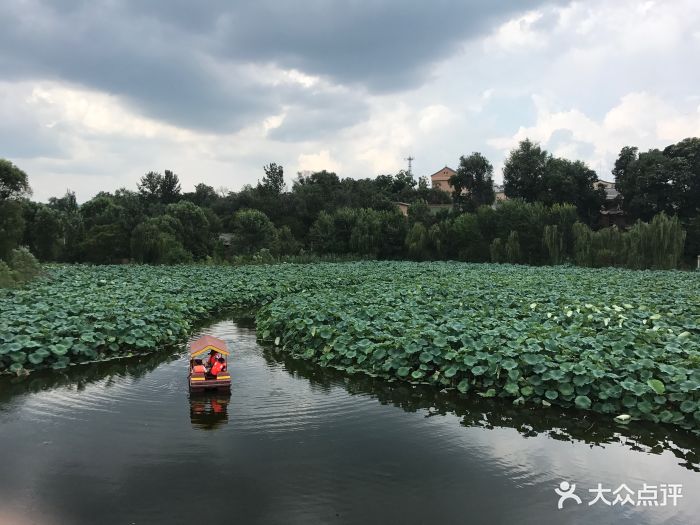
{"points": [[205, 344]]}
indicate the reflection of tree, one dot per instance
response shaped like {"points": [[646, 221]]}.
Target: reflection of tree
{"points": [[559, 424], [80, 376], [209, 411]]}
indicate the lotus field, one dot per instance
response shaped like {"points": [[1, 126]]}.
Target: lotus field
{"points": [[612, 341]]}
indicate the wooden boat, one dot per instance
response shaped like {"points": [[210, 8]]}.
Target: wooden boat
{"points": [[200, 381]]}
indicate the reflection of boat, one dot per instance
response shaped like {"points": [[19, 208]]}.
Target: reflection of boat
{"points": [[200, 379], [209, 410]]}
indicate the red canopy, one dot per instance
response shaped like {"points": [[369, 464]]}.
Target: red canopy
{"points": [[207, 343]]}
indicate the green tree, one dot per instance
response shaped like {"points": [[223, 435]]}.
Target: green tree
{"points": [[686, 180], [67, 204], [574, 183], [473, 182], [196, 236], [14, 182], [157, 240], [154, 187], [322, 234], [466, 240], [417, 242], [273, 181], [366, 235], [524, 171], [645, 182], [11, 226], [253, 231], [46, 237]]}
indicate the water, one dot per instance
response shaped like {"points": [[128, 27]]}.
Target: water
{"points": [[124, 443]]}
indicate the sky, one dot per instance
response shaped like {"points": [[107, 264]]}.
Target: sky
{"points": [[95, 93]]}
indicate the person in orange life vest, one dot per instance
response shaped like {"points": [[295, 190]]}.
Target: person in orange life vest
{"points": [[198, 367], [217, 367], [213, 355]]}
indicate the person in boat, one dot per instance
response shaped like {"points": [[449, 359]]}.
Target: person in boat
{"points": [[218, 367], [213, 357], [199, 367]]}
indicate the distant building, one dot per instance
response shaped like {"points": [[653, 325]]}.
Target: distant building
{"points": [[440, 179], [226, 238], [499, 190], [611, 192], [434, 208], [611, 214]]}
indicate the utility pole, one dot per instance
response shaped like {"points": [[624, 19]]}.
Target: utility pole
{"points": [[410, 164]]}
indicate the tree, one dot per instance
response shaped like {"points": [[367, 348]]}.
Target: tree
{"points": [[322, 234], [645, 182], [466, 241], [14, 183], [157, 240], [417, 242], [574, 183], [473, 182], [203, 195], [169, 188], [532, 174], [155, 187], [686, 180], [46, 233], [523, 171], [273, 181], [366, 236], [68, 203], [195, 233], [11, 226], [253, 231], [150, 186]]}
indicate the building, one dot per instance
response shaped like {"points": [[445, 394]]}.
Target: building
{"points": [[434, 208], [611, 192], [440, 179]]}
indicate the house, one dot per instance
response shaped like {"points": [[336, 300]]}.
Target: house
{"points": [[225, 239], [434, 208], [440, 179], [611, 192], [499, 190], [611, 213]]}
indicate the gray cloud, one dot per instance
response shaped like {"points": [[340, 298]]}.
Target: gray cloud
{"points": [[185, 62]]}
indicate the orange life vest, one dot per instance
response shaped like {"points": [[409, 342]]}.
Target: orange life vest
{"points": [[212, 359], [216, 368], [199, 369]]}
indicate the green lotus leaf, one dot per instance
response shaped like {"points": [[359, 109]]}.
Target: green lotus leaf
{"points": [[657, 386], [451, 371], [479, 370], [583, 402], [551, 394], [566, 389]]}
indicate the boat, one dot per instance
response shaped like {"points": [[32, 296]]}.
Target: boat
{"points": [[200, 381]]}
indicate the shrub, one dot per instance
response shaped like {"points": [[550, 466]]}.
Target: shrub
{"points": [[7, 276], [24, 265]]}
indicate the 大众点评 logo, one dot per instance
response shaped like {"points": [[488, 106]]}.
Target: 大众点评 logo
{"points": [[660, 495]]}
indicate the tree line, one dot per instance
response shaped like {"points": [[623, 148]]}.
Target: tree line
{"points": [[551, 215]]}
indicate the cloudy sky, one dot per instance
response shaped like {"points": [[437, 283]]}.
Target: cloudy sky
{"points": [[94, 93]]}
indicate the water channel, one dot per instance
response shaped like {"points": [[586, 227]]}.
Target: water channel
{"points": [[123, 442]]}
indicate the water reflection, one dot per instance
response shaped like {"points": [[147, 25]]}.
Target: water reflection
{"points": [[572, 426], [79, 376], [209, 410]]}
